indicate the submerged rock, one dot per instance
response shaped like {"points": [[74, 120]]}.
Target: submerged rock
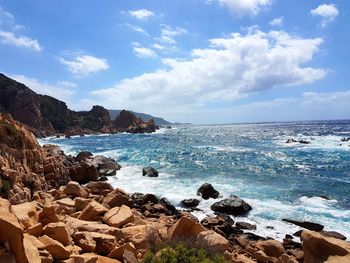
{"points": [[150, 172], [207, 191], [232, 206]]}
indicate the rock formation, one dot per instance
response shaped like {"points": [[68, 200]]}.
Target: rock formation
{"points": [[46, 116]]}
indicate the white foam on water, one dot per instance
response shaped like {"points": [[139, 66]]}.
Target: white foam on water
{"points": [[325, 142], [230, 149]]}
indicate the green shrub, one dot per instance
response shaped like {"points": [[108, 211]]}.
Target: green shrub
{"points": [[181, 254]]}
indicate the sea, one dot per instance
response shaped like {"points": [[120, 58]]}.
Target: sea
{"points": [[253, 161]]}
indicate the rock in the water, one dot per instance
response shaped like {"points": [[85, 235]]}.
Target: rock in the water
{"points": [[232, 206], [207, 191], [150, 172], [318, 248], [82, 156], [308, 225], [245, 225], [190, 203]]}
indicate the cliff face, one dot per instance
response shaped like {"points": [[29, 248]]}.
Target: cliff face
{"points": [[45, 115]]}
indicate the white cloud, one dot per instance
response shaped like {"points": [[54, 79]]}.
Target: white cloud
{"points": [[10, 38], [60, 90], [142, 14], [136, 29], [245, 7], [231, 68], [143, 52], [328, 13], [84, 65], [168, 34], [277, 21]]}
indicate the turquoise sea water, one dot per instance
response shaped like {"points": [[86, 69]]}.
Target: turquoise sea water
{"points": [[252, 161]]}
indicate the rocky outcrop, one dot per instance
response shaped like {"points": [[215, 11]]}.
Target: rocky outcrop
{"points": [[126, 121], [308, 225], [150, 172], [46, 116]]}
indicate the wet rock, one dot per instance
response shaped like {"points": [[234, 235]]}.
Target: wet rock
{"points": [[150, 198], [232, 206], [137, 199], [169, 206], [150, 172], [333, 234], [308, 225], [220, 225], [207, 191], [190, 203], [245, 225], [82, 156], [345, 139]]}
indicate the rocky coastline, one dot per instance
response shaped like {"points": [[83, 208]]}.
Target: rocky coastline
{"points": [[60, 208]]}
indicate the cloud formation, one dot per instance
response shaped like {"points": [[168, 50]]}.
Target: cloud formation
{"points": [[84, 65], [10, 38], [142, 14], [328, 13], [143, 52], [245, 7], [230, 68], [277, 21]]}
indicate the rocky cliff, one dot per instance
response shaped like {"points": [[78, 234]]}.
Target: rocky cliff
{"points": [[46, 116]]}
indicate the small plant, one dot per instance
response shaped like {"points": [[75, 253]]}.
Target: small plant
{"points": [[181, 254]]}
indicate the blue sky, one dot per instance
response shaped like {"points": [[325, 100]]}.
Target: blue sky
{"points": [[200, 61]]}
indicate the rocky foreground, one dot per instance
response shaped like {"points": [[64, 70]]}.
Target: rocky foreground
{"points": [[58, 208]]}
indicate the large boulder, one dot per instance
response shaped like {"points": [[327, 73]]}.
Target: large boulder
{"points": [[185, 228], [207, 191], [56, 249], [213, 240], [232, 206], [140, 236], [11, 232], [75, 189], [59, 232], [318, 248], [26, 214], [93, 211], [272, 248], [117, 198], [118, 216], [220, 225], [100, 187], [91, 226]]}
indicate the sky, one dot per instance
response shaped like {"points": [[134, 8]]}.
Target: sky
{"points": [[199, 61]]}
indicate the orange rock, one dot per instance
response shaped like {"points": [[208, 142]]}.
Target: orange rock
{"points": [[59, 232], [90, 258], [118, 253], [31, 251], [56, 249], [93, 211], [139, 235], [26, 214], [214, 240], [118, 216], [116, 198], [50, 214], [75, 189], [338, 249], [271, 248], [185, 228], [11, 231], [35, 230]]}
